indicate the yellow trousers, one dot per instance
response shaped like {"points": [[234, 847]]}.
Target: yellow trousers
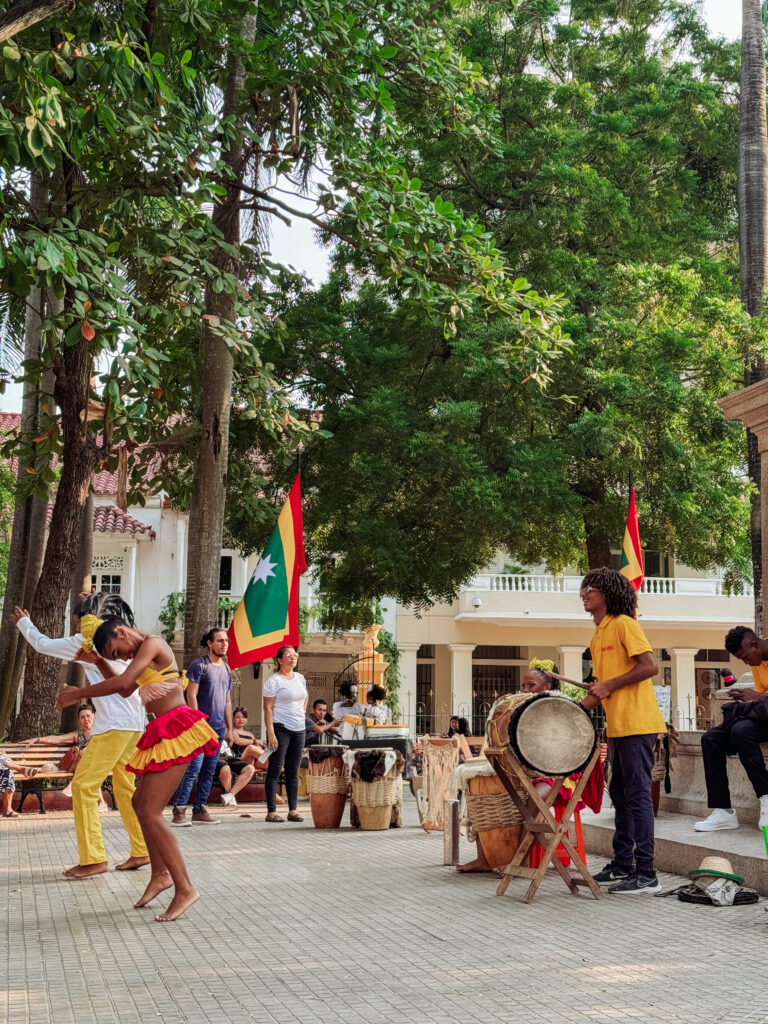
{"points": [[106, 754]]}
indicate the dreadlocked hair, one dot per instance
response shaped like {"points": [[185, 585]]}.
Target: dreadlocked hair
{"points": [[105, 606], [620, 596], [735, 638]]}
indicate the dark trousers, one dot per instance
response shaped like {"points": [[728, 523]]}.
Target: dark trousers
{"points": [[203, 769], [742, 736], [631, 760], [286, 758]]}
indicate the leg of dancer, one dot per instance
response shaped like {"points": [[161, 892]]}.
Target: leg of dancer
{"points": [[153, 792]]}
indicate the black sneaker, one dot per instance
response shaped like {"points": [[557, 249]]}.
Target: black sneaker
{"points": [[611, 873], [637, 883]]}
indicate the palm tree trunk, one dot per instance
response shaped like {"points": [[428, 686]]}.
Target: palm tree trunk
{"points": [[206, 526], [753, 244]]}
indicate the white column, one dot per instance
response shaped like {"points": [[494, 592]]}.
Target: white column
{"points": [[461, 680], [408, 683], [132, 574], [181, 553], [243, 575], [570, 664], [683, 697]]}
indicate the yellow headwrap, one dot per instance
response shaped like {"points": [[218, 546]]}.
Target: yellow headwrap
{"points": [[88, 626], [542, 663]]}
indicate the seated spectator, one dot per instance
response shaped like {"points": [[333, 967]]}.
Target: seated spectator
{"points": [[458, 726], [374, 709], [245, 744], [8, 784], [77, 738], [246, 747], [321, 727], [234, 774], [349, 704]]}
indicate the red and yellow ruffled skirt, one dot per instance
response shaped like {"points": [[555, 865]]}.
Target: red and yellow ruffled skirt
{"points": [[175, 737]]}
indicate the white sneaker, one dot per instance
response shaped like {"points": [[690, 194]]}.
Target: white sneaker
{"points": [[720, 818], [228, 799], [763, 812]]}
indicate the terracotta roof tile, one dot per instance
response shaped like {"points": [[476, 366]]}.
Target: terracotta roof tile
{"points": [[109, 519]]}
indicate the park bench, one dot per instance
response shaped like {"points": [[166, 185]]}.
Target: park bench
{"points": [[37, 754]]}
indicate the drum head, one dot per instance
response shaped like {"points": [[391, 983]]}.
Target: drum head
{"points": [[552, 734]]}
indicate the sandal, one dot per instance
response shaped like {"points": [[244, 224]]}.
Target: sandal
{"points": [[274, 817], [294, 816]]}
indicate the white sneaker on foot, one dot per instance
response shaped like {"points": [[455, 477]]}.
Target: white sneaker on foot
{"points": [[719, 818], [228, 800], [763, 812]]}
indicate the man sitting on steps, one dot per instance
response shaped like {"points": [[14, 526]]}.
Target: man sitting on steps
{"points": [[743, 729]]}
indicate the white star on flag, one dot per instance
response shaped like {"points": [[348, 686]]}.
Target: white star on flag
{"points": [[264, 569]]}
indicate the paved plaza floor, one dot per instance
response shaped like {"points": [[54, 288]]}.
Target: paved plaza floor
{"points": [[297, 925]]}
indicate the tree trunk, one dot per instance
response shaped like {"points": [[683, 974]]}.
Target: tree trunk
{"points": [[81, 583], [753, 241], [206, 524], [79, 457], [29, 515], [598, 552]]}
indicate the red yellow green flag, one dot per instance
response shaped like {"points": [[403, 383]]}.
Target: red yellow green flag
{"points": [[268, 615], [632, 553]]}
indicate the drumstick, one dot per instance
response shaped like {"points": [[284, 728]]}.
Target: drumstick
{"points": [[565, 679]]}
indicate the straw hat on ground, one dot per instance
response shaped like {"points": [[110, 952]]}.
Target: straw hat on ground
{"points": [[716, 867]]}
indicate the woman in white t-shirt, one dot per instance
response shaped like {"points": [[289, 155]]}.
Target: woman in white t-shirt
{"points": [[285, 713]]}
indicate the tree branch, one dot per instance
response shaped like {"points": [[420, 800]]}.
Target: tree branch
{"points": [[28, 13]]}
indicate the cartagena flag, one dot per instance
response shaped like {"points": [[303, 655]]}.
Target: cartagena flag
{"points": [[268, 615], [632, 554]]}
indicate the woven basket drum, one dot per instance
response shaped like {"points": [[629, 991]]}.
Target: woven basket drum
{"points": [[327, 785], [495, 818], [375, 800]]}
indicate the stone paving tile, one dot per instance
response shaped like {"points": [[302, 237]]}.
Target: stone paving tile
{"points": [[296, 925]]}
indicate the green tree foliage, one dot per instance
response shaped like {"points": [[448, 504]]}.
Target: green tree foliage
{"points": [[611, 180]]}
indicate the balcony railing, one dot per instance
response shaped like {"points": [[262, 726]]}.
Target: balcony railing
{"points": [[523, 583]]}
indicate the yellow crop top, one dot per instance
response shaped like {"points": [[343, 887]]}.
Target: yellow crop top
{"points": [[154, 675]]}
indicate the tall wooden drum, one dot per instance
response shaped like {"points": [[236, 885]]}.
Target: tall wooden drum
{"points": [[490, 812], [327, 784]]}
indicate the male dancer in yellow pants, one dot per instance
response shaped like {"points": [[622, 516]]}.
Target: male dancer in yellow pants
{"points": [[118, 724]]}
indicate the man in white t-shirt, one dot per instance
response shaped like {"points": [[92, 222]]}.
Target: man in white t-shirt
{"points": [[118, 724]]}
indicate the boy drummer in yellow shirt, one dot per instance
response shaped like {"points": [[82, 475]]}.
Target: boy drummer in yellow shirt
{"points": [[623, 663]]}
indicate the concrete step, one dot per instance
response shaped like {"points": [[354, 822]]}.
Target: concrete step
{"points": [[679, 849]]}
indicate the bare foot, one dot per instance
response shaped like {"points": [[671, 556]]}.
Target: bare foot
{"points": [[157, 884], [179, 903], [475, 865], [86, 870], [10, 814], [279, 800], [132, 863]]}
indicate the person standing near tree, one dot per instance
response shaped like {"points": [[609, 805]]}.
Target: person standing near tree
{"points": [[117, 725], [623, 664], [209, 690]]}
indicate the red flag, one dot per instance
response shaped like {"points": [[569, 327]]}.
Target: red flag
{"points": [[632, 552]]}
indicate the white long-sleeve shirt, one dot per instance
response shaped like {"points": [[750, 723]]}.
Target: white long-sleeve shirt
{"points": [[124, 714]]}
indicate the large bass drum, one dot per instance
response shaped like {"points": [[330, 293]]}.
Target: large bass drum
{"points": [[551, 734]]}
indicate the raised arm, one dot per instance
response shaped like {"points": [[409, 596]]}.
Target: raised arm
{"points": [[153, 648], [64, 648]]}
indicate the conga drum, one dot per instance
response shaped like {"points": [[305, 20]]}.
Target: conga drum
{"points": [[548, 733], [327, 784], [490, 812]]}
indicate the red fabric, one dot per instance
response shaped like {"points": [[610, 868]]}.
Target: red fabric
{"points": [[592, 794], [169, 725], [536, 856]]}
